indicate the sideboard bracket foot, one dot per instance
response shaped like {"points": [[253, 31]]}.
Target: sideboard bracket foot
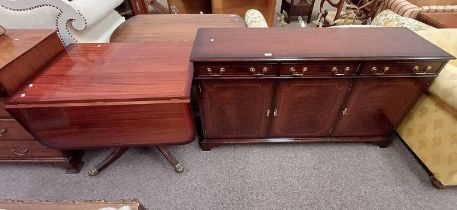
{"points": [[75, 162]]}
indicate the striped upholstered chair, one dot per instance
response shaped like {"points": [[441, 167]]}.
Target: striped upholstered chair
{"points": [[411, 8]]}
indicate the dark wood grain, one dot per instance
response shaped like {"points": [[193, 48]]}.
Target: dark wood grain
{"points": [[208, 144], [319, 69], [402, 68], [167, 27], [26, 150], [439, 19], [307, 107], [235, 109], [3, 113], [237, 69], [91, 125], [23, 53], [341, 44], [105, 72], [376, 106], [11, 130]]}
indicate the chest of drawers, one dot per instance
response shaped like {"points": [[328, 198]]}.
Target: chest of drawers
{"points": [[328, 85], [23, 53]]}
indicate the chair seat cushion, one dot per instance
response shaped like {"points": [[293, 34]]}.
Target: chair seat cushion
{"points": [[388, 18], [445, 85], [345, 18], [429, 130], [443, 38]]}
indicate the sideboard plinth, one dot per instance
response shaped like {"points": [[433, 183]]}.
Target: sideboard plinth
{"points": [[383, 142]]}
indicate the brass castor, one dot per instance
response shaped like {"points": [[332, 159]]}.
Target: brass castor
{"points": [[93, 172], [179, 168], [436, 183]]}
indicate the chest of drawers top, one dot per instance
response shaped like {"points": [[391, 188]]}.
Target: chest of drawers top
{"points": [[312, 44], [22, 54], [17, 42]]}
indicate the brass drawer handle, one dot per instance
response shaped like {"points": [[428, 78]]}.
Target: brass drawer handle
{"points": [[295, 73], [376, 71], [416, 70], [3, 131], [218, 74], [262, 73], [20, 151], [335, 70]]}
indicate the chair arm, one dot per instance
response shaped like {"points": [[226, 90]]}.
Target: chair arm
{"points": [[66, 13], [94, 11], [439, 8], [73, 16], [402, 7]]}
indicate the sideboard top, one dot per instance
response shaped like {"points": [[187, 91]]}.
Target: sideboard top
{"points": [[16, 42], [312, 44], [113, 72]]}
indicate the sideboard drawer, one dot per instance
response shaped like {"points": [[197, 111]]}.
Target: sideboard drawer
{"points": [[25, 150], [406, 68], [11, 130], [317, 69], [241, 69]]}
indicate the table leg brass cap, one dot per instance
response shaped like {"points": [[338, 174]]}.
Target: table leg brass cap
{"points": [[179, 168], [93, 172]]}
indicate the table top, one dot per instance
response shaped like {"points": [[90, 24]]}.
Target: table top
{"points": [[169, 27], [273, 44], [113, 72], [439, 19], [16, 42]]}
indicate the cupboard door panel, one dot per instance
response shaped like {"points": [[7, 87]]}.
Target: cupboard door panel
{"points": [[235, 109], [376, 106], [307, 107]]}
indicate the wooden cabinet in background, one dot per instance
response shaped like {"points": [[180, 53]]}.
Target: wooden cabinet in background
{"points": [[266, 7], [323, 88], [191, 7]]}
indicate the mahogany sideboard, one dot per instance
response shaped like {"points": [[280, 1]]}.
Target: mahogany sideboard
{"points": [[111, 95], [326, 85], [23, 53]]}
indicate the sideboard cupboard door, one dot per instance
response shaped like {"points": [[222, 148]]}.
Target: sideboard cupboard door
{"points": [[307, 107], [235, 109], [377, 105]]}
